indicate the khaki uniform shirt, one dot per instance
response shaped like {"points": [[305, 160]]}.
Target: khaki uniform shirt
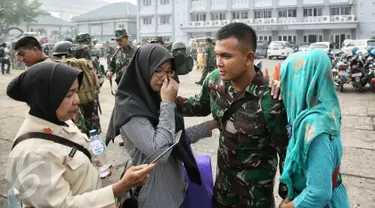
{"points": [[43, 175]]}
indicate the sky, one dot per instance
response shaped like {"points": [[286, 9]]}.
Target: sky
{"points": [[131, 1]]}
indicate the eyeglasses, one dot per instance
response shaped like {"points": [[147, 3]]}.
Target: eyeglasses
{"points": [[162, 73]]}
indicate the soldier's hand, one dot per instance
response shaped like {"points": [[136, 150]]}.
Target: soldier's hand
{"points": [[109, 75], [169, 90], [275, 89]]}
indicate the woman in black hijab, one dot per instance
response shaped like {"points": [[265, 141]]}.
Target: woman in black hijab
{"points": [[61, 176], [146, 117]]}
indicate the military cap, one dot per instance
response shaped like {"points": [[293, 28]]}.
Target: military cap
{"points": [[157, 40], [83, 38], [119, 33]]}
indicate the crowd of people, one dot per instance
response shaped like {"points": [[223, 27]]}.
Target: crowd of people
{"points": [[259, 133]]}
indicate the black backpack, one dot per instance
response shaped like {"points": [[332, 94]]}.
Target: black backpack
{"points": [[2, 52]]}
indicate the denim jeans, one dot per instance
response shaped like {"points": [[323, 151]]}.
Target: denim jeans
{"points": [[3, 63]]}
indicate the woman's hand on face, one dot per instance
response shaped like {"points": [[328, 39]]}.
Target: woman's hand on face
{"points": [[135, 176], [169, 90]]}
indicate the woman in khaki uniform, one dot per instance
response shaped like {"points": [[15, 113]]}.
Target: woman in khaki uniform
{"points": [[44, 173]]}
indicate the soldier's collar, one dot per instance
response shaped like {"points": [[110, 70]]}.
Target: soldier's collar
{"points": [[258, 85]]}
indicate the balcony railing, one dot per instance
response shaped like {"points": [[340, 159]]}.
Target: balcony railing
{"points": [[318, 19], [286, 20], [265, 21], [271, 21], [343, 18]]}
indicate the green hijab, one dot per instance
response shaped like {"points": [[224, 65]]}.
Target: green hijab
{"points": [[312, 107]]}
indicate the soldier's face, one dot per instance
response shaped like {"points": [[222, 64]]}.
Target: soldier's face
{"points": [[158, 77], [122, 42], [68, 108], [231, 61], [29, 56]]}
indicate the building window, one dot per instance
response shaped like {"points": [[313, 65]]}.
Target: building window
{"points": [[164, 2], [290, 38], [147, 20], [198, 17], [146, 2], [347, 10], [165, 19], [284, 13], [219, 16], [263, 14], [265, 38], [240, 15], [122, 26], [312, 38], [312, 12]]}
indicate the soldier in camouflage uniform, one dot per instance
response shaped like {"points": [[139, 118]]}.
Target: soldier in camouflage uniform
{"points": [[90, 111], [158, 40], [209, 60], [253, 134], [184, 63], [109, 51], [122, 56]]}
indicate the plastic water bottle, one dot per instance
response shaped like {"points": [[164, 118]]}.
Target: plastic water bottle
{"points": [[13, 202], [99, 158]]}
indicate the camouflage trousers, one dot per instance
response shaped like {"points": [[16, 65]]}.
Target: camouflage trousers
{"points": [[260, 193], [205, 72], [88, 117]]}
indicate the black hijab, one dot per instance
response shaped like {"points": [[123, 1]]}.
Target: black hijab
{"points": [[43, 87], [135, 98]]}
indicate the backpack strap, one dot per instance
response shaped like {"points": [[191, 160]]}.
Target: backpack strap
{"points": [[232, 109], [53, 138]]}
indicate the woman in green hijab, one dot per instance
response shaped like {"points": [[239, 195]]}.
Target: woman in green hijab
{"points": [[312, 165]]}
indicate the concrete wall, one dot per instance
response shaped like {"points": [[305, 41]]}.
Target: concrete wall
{"points": [[366, 18]]}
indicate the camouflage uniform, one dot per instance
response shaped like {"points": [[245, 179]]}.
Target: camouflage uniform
{"points": [[122, 56], [109, 51], [211, 63], [184, 63], [88, 117], [249, 141]]}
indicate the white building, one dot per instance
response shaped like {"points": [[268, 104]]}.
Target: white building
{"points": [[292, 20], [101, 23]]}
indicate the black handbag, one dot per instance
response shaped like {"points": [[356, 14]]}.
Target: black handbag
{"points": [[130, 198]]}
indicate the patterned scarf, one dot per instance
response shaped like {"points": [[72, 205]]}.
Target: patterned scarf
{"points": [[312, 107]]}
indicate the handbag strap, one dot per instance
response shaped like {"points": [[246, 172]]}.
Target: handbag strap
{"points": [[53, 138], [232, 109]]}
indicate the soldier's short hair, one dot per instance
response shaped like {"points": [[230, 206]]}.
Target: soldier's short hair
{"points": [[27, 42], [242, 32]]}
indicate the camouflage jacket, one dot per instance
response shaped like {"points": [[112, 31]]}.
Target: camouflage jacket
{"points": [[109, 51], [250, 139], [120, 60], [211, 57]]}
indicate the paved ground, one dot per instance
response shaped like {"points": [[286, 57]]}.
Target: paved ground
{"points": [[358, 134]]}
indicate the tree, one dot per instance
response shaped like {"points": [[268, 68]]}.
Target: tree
{"points": [[13, 12]]}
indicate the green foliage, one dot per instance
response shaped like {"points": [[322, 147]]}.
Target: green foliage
{"points": [[13, 12]]}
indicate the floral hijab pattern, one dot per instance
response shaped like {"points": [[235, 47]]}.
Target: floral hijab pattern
{"points": [[312, 107]]}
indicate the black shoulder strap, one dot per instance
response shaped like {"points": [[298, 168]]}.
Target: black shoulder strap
{"points": [[53, 138], [232, 109]]}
